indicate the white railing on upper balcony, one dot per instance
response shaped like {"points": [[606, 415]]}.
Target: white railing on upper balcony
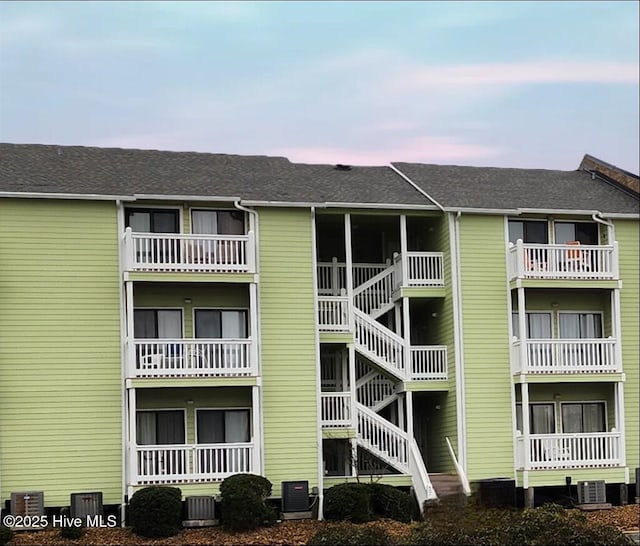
{"points": [[192, 358], [376, 295], [567, 261], [176, 252], [332, 276], [333, 314], [559, 451], [428, 362], [192, 463], [425, 269], [566, 356], [337, 409]]}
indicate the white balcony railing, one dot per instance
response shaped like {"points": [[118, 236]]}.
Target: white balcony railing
{"points": [[175, 252], [560, 451], [192, 358], [337, 409], [568, 261], [333, 314], [428, 362], [425, 269], [192, 463], [566, 356]]}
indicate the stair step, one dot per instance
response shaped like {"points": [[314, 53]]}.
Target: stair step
{"points": [[446, 484]]}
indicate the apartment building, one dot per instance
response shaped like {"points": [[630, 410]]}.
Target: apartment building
{"points": [[175, 318]]}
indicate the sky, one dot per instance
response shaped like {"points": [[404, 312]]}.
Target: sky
{"points": [[504, 84]]}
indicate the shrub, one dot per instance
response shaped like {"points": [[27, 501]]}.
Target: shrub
{"points": [[389, 502], [348, 502], [244, 505], [156, 511], [350, 535], [72, 532], [6, 535]]}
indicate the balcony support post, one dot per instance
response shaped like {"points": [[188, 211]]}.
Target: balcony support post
{"points": [[254, 327], [352, 383], [616, 322], [130, 350], [525, 425], [403, 250], [619, 390], [257, 431], [522, 331], [349, 269], [131, 438]]}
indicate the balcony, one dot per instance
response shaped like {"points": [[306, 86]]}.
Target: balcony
{"points": [[428, 363], [191, 463], [337, 409], [193, 358], [565, 356], [173, 252], [333, 314], [568, 261], [564, 451]]}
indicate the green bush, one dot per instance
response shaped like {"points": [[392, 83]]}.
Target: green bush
{"points": [[552, 525], [350, 535], [389, 502], [348, 502], [156, 511], [72, 532], [6, 535], [244, 502]]}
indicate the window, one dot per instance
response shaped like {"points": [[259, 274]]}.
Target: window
{"points": [[161, 427], [217, 222], [583, 417], [580, 325], [152, 220], [222, 426], [220, 323], [157, 323], [530, 231], [538, 325], [585, 233], [541, 418]]}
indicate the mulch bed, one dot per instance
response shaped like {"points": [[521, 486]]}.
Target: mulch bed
{"points": [[288, 532]]}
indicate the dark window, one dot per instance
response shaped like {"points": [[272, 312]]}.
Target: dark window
{"points": [[583, 417], [530, 231], [585, 233], [152, 220], [217, 222], [157, 324], [163, 427], [223, 426], [221, 323]]}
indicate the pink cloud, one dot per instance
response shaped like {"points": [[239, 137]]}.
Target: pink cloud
{"points": [[421, 149]]}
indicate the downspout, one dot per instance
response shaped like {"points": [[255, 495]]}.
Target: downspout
{"points": [[459, 337], [320, 465], [257, 335]]}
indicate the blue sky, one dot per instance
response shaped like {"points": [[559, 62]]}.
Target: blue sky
{"points": [[512, 84]]}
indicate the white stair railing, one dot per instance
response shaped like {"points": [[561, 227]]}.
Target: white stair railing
{"points": [[375, 391], [375, 296], [466, 488], [422, 486], [379, 344], [382, 438]]}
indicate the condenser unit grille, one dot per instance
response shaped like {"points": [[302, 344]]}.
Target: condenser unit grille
{"points": [[27, 503], [593, 492], [200, 508], [295, 496], [86, 504]]}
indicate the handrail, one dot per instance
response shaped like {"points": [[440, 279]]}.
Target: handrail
{"points": [[466, 488]]}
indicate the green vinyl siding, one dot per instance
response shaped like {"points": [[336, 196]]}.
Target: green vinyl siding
{"points": [[546, 478], [288, 343], [627, 237], [486, 347], [60, 352]]}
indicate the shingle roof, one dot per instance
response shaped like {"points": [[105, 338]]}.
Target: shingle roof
{"points": [[116, 171], [501, 188]]}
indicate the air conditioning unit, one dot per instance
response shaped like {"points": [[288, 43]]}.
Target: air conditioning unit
{"points": [[295, 496], [28, 503], [86, 504], [593, 492], [200, 511]]}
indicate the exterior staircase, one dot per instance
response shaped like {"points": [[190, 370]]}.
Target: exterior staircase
{"points": [[380, 365], [446, 485]]}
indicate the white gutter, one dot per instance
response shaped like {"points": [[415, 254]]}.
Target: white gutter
{"points": [[415, 186], [621, 216], [185, 197], [454, 245], [84, 196], [318, 372], [474, 210]]}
